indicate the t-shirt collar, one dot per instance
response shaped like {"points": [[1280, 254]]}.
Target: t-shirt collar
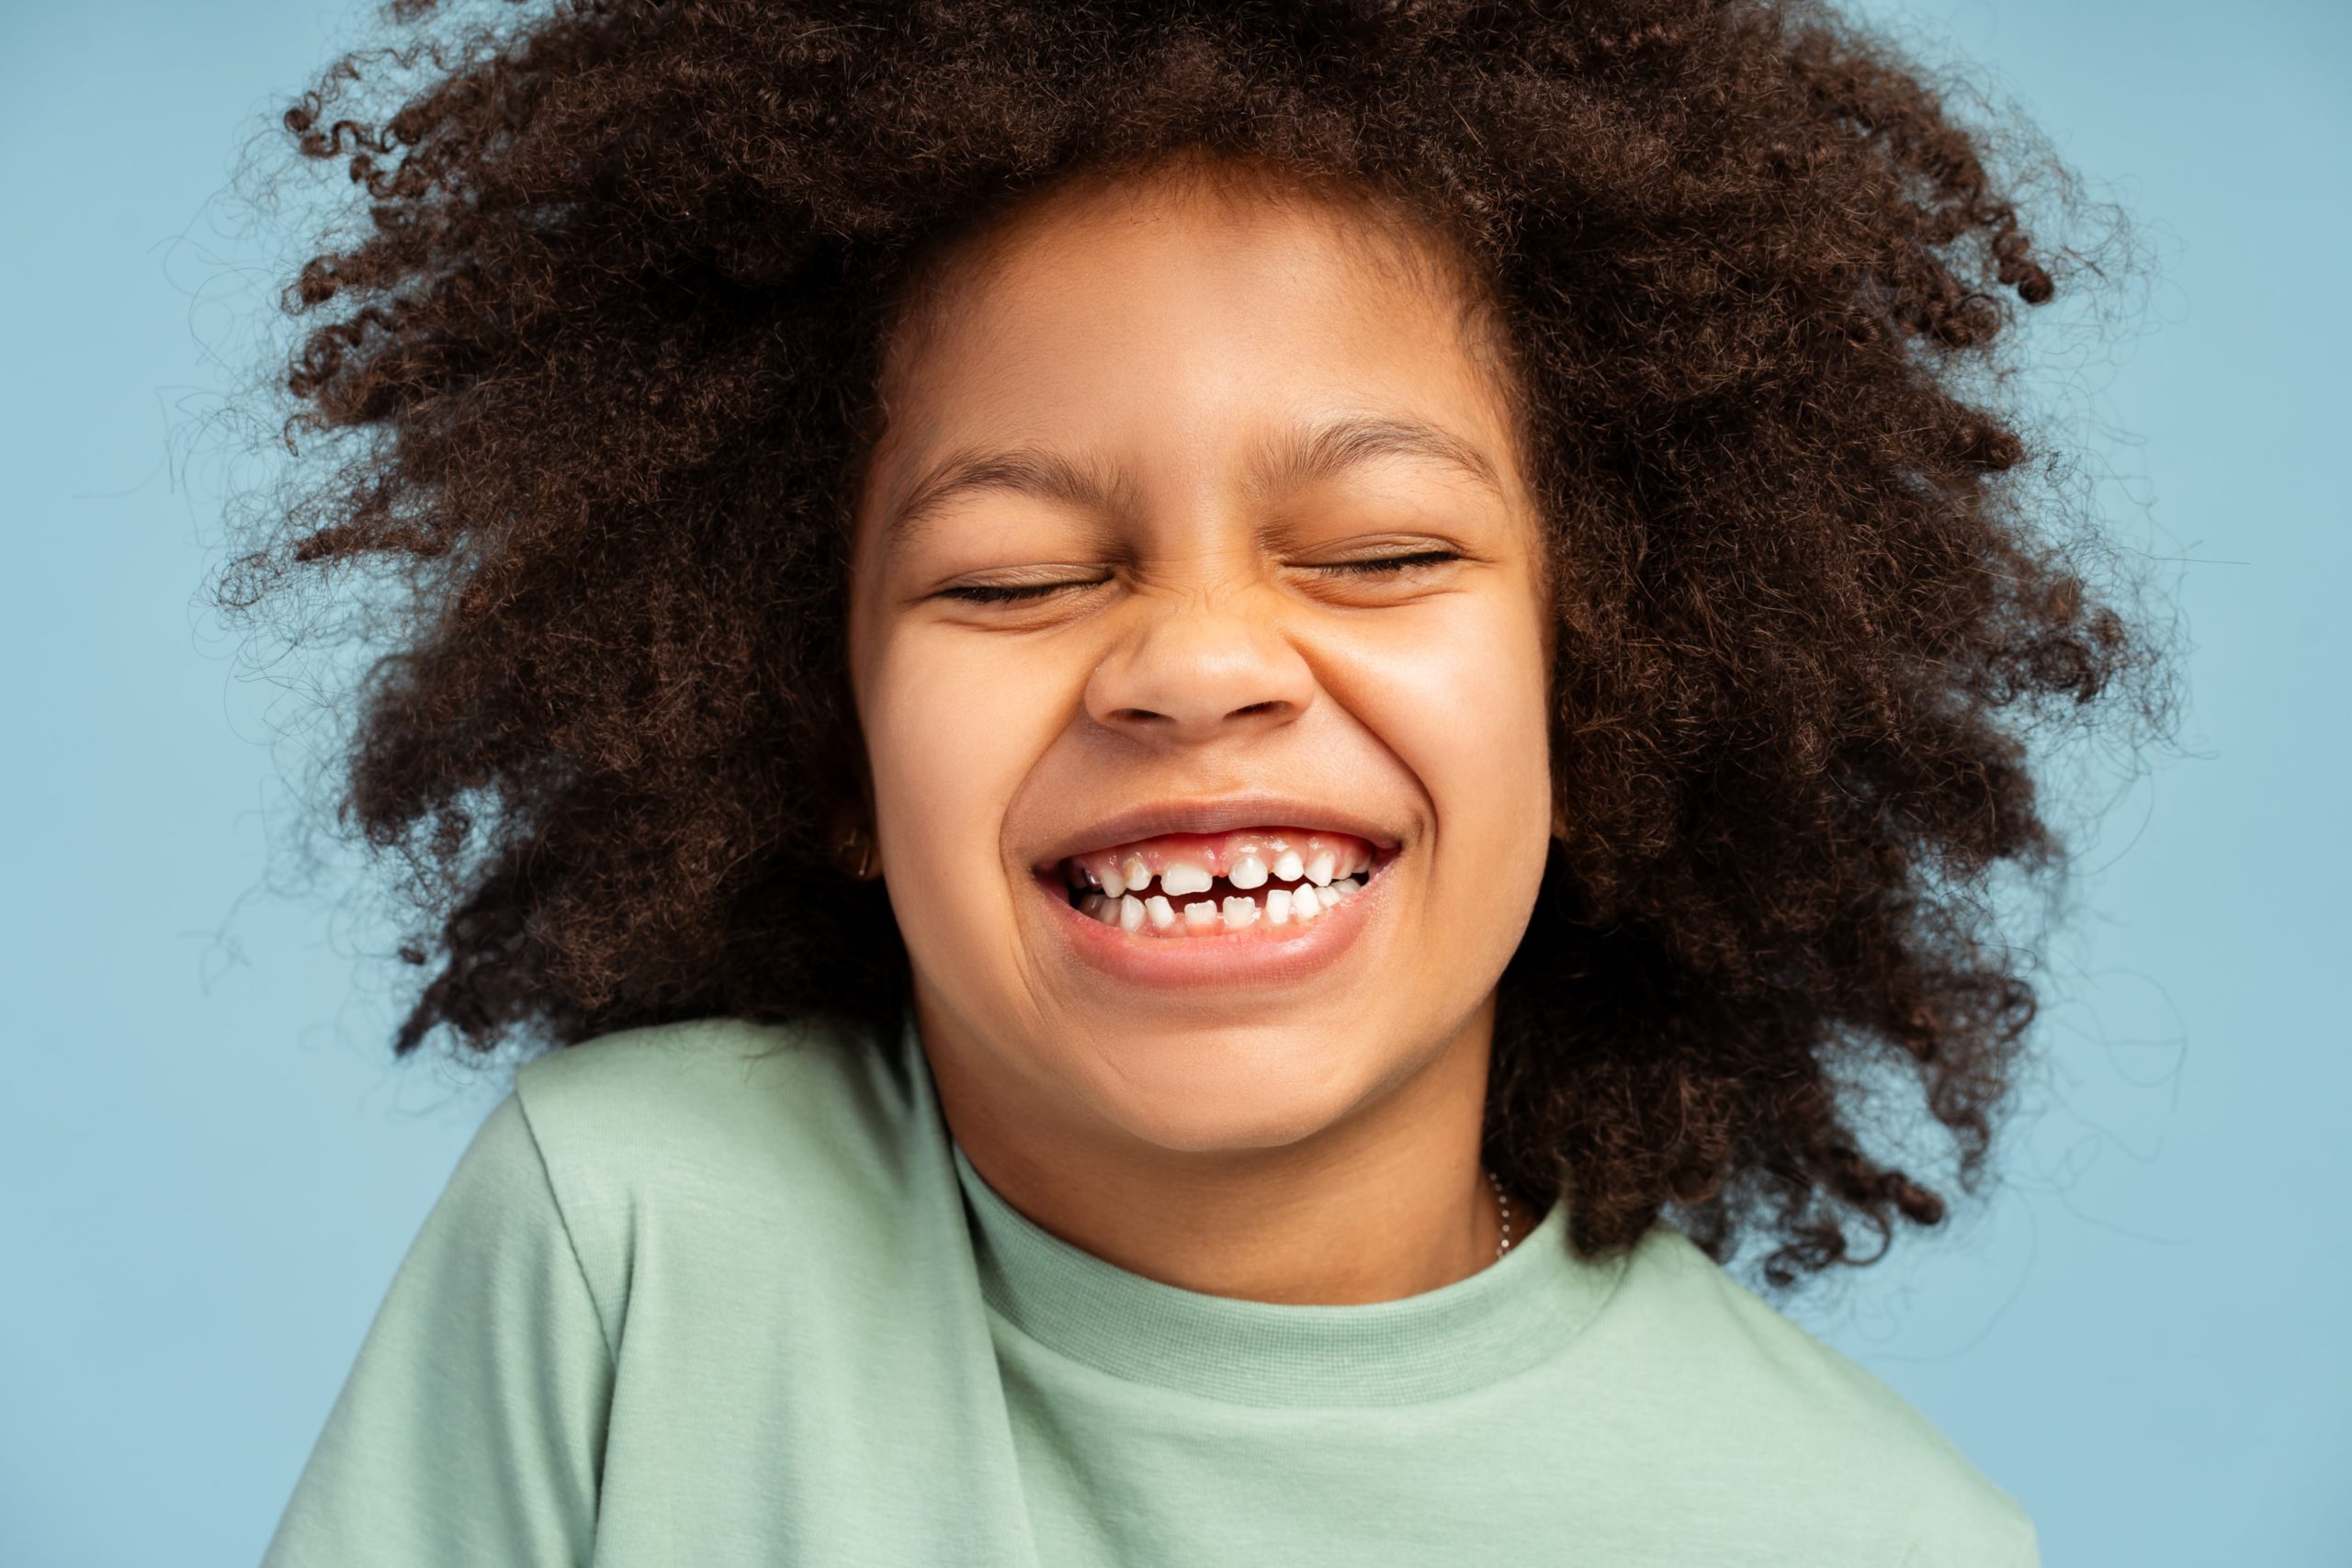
{"points": [[1520, 1310]]}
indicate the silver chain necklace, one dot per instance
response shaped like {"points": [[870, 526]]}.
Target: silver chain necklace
{"points": [[1504, 1198]]}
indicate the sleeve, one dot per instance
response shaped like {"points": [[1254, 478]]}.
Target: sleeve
{"points": [[471, 1427], [2010, 1542]]}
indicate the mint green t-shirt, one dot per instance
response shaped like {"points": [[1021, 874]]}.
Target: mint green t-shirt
{"points": [[721, 1295]]}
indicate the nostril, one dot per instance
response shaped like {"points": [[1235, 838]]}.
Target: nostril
{"points": [[1271, 707]]}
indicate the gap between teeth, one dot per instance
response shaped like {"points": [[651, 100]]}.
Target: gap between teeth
{"points": [[1164, 913], [1249, 870]]}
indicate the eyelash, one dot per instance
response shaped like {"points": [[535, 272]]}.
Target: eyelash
{"points": [[1378, 564], [1012, 593], [1008, 593]]}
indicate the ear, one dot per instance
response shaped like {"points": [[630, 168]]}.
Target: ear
{"points": [[844, 791]]}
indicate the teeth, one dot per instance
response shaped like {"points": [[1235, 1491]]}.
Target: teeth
{"points": [[1184, 877], [1130, 895]]}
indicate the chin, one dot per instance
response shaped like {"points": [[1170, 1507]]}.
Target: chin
{"points": [[1202, 1092]]}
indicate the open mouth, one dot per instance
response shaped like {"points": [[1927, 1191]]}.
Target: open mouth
{"points": [[1205, 885]]}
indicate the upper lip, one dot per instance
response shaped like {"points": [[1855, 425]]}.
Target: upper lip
{"points": [[1212, 814]]}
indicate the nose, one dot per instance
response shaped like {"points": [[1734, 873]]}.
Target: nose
{"points": [[1197, 670]]}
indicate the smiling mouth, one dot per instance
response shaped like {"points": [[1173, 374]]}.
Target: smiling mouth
{"points": [[1212, 884]]}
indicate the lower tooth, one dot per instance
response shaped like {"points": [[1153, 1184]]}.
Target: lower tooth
{"points": [[1281, 906]]}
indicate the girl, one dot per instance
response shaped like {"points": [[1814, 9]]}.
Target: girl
{"points": [[1222, 734]]}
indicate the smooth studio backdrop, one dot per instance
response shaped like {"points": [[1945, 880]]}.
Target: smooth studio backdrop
{"points": [[209, 1165]]}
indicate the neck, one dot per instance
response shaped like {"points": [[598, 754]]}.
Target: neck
{"points": [[1391, 1202]]}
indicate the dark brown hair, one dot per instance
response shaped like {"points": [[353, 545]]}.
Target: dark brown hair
{"points": [[597, 364]]}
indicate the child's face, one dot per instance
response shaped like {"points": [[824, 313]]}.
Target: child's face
{"points": [[1130, 647]]}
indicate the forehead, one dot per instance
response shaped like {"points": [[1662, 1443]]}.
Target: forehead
{"points": [[1190, 317]]}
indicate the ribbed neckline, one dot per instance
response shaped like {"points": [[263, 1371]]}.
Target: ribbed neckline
{"points": [[1516, 1312]]}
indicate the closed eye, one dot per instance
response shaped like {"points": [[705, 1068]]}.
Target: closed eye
{"points": [[1377, 565], [1015, 592]]}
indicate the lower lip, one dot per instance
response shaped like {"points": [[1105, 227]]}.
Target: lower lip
{"points": [[1253, 956]]}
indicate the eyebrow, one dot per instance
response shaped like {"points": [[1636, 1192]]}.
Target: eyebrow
{"points": [[1299, 456]]}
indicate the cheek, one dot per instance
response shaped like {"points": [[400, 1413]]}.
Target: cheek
{"points": [[1461, 700], [950, 734]]}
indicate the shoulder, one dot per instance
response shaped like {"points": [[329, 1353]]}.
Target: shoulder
{"points": [[676, 1152], [677, 1104], [1823, 1424]]}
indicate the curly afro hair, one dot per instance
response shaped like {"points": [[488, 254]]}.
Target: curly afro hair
{"points": [[599, 353]]}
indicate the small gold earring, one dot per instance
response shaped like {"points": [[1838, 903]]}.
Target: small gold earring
{"points": [[856, 856]]}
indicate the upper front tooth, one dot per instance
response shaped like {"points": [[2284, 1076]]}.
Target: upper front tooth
{"points": [[1137, 874], [1288, 866], [1113, 883], [1184, 877], [1319, 869], [1247, 871]]}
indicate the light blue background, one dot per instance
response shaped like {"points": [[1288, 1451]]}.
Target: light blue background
{"points": [[208, 1165]]}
